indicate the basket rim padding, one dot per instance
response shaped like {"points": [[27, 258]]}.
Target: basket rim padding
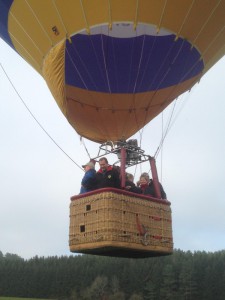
{"points": [[122, 192]]}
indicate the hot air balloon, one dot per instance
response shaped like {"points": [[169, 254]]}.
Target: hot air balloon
{"points": [[112, 66]]}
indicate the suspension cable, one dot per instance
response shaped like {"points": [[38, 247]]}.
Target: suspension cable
{"points": [[83, 143], [166, 131], [171, 121], [161, 169], [181, 108], [32, 115]]}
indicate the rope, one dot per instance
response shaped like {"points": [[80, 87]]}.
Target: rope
{"points": [[169, 125], [85, 18], [25, 50], [210, 44], [166, 132], [115, 64], [35, 16], [110, 14], [61, 20], [161, 169], [23, 102], [105, 65], [105, 62], [163, 62], [132, 106], [94, 106], [148, 60], [141, 228], [184, 20], [100, 129], [139, 65], [152, 98], [150, 54], [206, 22], [75, 67], [162, 140], [181, 108], [161, 18], [136, 15], [83, 143], [25, 32]]}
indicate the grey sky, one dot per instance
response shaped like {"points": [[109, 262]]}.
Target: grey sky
{"points": [[37, 179]]}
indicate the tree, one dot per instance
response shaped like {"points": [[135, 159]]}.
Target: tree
{"points": [[117, 296], [115, 292], [98, 289], [181, 276], [149, 291], [168, 290], [74, 295], [136, 297]]}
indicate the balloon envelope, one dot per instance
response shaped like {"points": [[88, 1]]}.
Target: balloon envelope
{"points": [[112, 66]]}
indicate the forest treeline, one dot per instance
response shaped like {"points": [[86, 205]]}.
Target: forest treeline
{"points": [[183, 275]]}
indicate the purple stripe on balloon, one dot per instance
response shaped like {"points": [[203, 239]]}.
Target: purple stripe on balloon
{"points": [[4, 11], [129, 65]]}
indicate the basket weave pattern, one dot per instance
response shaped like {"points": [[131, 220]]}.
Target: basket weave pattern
{"points": [[120, 220]]}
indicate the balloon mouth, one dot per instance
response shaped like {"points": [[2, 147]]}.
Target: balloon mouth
{"points": [[125, 30], [128, 61]]}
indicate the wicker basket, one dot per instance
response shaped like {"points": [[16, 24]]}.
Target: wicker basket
{"points": [[118, 223]]}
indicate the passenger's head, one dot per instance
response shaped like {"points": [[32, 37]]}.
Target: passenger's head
{"points": [[130, 177], [88, 166], [145, 174], [144, 179], [103, 163], [117, 168]]}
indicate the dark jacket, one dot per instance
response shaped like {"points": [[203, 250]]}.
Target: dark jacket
{"points": [[163, 194], [108, 178], [88, 182], [131, 187], [149, 190]]}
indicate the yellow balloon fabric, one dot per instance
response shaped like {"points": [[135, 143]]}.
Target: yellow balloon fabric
{"points": [[112, 65]]}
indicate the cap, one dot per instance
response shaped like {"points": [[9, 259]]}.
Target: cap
{"points": [[90, 164]]}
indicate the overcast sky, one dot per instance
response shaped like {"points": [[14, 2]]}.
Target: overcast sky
{"points": [[38, 179]]}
